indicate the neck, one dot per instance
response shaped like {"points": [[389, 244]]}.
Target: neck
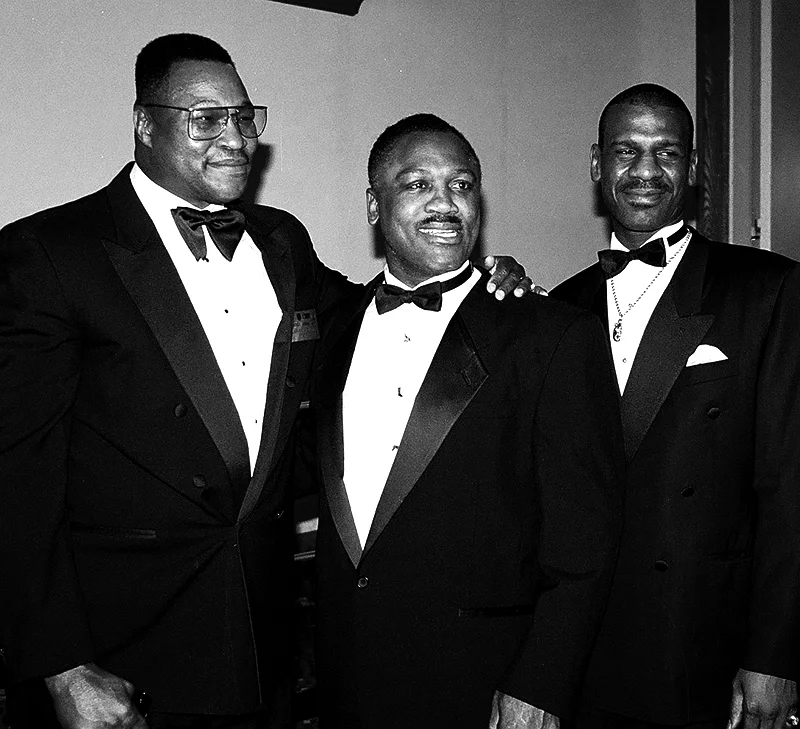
{"points": [[632, 239]]}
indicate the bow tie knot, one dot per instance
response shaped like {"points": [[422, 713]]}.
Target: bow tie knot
{"points": [[225, 227], [613, 262], [428, 296]]}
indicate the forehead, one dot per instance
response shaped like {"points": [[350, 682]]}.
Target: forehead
{"points": [[628, 121], [210, 82], [430, 152]]}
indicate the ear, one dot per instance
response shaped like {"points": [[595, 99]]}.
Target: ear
{"points": [[142, 126], [692, 177], [594, 162], [373, 211]]}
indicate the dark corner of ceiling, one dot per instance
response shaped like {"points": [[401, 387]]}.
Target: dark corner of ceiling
{"points": [[343, 7]]}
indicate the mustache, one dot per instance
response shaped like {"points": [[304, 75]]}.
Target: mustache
{"points": [[645, 186], [447, 219]]}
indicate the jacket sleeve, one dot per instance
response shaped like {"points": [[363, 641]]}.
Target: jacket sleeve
{"points": [[579, 460], [44, 627], [774, 624]]}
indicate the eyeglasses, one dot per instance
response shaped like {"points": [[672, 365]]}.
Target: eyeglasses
{"points": [[209, 122]]}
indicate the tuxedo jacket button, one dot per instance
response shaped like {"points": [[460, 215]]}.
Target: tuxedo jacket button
{"points": [[362, 582], [688, 492], [713, 413], [199, 482], [180, 410], [661, 566], [290, 381]]}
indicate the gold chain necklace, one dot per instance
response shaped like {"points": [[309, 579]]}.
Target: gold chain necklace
{"points": [[616, 333]]}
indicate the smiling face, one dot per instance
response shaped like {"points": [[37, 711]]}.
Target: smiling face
{"points": [[427, 202], [200, 172], [644, 168]]}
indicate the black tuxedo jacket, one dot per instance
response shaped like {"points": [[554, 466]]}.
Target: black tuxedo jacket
{"points": [[489, 557], [132, 532], [709, 571]]}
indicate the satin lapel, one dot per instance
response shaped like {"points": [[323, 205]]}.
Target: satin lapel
{"points": [[599, 300], [147, 271], [675, 330], [330, 445], [276, 254], [455, 375]]}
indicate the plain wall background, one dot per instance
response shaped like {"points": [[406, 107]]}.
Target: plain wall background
{"points": [[525, 80]]}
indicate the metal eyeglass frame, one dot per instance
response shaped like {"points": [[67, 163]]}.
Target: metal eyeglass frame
{"points": [[231, 111]]}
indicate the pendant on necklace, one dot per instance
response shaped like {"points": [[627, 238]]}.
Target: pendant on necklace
{"points": [[617, 333]]}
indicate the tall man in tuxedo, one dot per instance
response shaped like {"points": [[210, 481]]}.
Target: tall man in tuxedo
{"points": [[702, 623], [152, 370], [470, 460]]}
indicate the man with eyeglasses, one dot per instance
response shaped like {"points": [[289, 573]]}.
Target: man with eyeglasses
{"points": [[155, 340]]}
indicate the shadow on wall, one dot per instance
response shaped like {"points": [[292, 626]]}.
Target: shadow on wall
{"points": [[261, 163]]}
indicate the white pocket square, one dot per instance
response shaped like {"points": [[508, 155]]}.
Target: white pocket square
{"points": [[705, 354]]}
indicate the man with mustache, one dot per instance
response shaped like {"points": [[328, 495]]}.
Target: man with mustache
{"points": [[703, 621], [470, 459], [155, 341]]}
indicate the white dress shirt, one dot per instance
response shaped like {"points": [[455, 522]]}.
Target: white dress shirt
{"points": [[234, 301], [391, 358], [628, 287]]}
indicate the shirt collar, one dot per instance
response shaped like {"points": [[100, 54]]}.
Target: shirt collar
{"points": [[664, 233], [153, 196], [391, 279]]}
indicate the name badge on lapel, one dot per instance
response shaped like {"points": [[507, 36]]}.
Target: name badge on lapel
{"points": [[305, 327]]}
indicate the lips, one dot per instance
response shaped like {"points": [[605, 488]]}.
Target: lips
{"points": [[644, 195], [446, 227], [230, 162], [440, 232]]}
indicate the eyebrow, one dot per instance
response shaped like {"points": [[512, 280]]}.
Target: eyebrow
{"points": [[424, 170], [200, 103], [660, 141]]}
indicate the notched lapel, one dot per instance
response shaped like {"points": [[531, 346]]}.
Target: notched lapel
{"points": [[276, 255], [455, 375], [147, 272], [331, 450], [675, 330], [330, 433]]}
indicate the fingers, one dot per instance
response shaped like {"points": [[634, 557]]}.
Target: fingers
{"points": [[495, 716], [506, 276], [737, 701]]}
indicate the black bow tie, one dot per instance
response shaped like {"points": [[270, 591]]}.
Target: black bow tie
{"points": [[224, 226], [653, 253], [428, 297], [613, 262]]}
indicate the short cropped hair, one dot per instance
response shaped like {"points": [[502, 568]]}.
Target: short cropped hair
{"points": [[155, 60], [385, 144], [647, 95]]}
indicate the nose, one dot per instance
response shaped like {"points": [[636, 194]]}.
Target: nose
{"points": [[441, 200], [231, 137], [646, 167]]}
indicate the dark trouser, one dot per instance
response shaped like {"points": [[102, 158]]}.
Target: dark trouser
{"points": [[157, 720], [590, 717], [29, 706]]}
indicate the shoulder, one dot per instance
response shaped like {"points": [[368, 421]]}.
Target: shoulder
{"points": [[746, 271], [534, 316], [578, 287], [737, 258], [269, 219], [74, 215]]}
